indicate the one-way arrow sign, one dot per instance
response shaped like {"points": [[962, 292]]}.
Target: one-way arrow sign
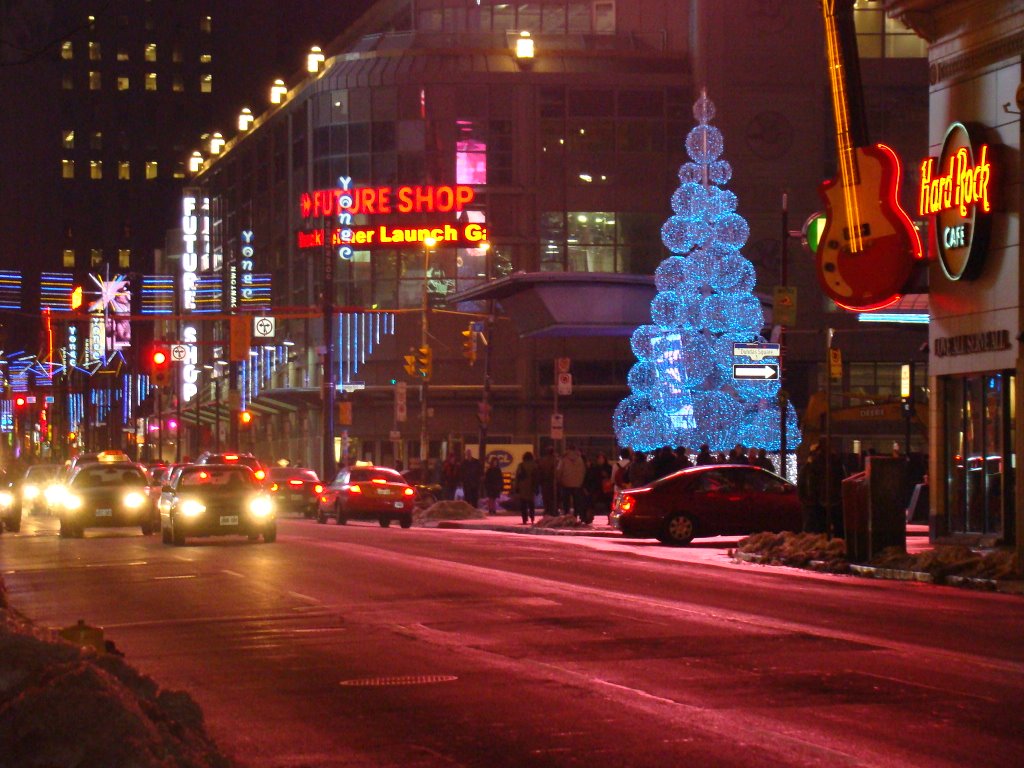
{"points": [[764, 372]]}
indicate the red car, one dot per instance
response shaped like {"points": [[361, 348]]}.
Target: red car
{"points": [[365, 492], [293, 488], [715, 500]]}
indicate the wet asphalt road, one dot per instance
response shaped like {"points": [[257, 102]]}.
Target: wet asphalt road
{"points": [[360, 646]]}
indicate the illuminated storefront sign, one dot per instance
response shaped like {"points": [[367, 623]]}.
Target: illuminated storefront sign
{"points": [[386, 200], [971, 343], [240, 275], [195, 237], [956, 192], [384, 236]]}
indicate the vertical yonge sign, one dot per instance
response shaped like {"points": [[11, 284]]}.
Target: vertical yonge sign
{"points": [[955, 191], [387, 201], [194, 234], [241, 286]]}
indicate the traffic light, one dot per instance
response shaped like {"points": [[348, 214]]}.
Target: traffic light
{"points": [[19, 401], [425, 362], [160, 367], [469, 344], [410, 363], [244, 418]]}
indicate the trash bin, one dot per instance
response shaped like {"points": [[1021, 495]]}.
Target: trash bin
{"points": [[874, 512]]}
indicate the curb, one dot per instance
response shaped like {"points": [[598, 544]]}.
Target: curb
{"points": [[534, 530], [892, 574]]}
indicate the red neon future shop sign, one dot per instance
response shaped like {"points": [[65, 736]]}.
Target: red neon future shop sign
{"points": [[390, 201]]}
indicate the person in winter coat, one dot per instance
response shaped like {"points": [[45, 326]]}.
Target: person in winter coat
{"points": [[524, 486], [449, 476], [570, 473], [547, 470], [597, 482], [704, 456], [471, 472], [494, 483]]}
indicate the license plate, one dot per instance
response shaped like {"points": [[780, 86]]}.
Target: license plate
{"points": [[104, 513], [383, 491], [229, 519]]}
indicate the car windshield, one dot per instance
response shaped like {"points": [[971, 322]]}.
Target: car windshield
{"points": [[290, 473], [218, 478], [366, 474], [40, 473], [107, 476]]}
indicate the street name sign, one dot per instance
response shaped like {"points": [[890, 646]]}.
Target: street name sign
{"points": [[762, 372], [755, 351]]}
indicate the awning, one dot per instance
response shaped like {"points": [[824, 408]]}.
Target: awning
{"points": [[270, 402]]}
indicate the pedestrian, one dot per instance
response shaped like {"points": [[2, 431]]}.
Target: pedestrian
{"points": [[449, 476], [599, 487], [570, 472], [738, 455], [494, 484], [819, 484], [704, 456], [525, 487], [471, 473], [620, 470], [683, 459], [547, 471], [640, 471], [763, 461], [663, 463]]}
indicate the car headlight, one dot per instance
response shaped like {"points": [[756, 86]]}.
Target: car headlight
{"points": [[134, 500], [53, 493], [30, 492], [260, 506], [6, 499], [71, 501], [192, 508]]}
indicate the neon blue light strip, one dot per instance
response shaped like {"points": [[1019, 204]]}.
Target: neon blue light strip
{"points": [[917, 318]]}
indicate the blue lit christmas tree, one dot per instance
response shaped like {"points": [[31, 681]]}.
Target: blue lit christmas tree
{"points": [[682, 385]]}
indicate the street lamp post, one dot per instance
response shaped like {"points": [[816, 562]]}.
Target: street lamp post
{"points": [[485, 398], [327, 377], [428, 245]]}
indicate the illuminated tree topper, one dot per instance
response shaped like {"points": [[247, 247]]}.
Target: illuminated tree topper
{"points": [[682, 388]]}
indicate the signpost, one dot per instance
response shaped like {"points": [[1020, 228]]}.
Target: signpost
{"points": [[758, 372]]}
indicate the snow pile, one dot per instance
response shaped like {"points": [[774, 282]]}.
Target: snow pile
{"points": [[943, 562], [559, 521], [449, 510], [62, 706], [802, 550]]}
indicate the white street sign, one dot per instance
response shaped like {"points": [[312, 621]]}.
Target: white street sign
{"points": [[264, 327], [762, 372], [565, 383], [179, 352]]}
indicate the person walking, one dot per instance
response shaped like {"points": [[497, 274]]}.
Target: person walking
{"points": [[524, 486], [597, 482], [620, 470], [471, 473], [494, 484], [763, 461], [570, 472], [547, 470], [704, 456], [449, 476]]}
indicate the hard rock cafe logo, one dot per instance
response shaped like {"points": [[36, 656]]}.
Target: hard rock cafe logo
{"points": [[956, 191]]}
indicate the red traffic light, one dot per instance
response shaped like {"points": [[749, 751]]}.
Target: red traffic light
{"points": [[159, 357], [20, 401], [245, 417], [160, 367]]}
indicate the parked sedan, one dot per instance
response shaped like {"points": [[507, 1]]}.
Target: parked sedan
{"points": [[717, 500], [294, 488], [368, 493], [105, 496], [216, 500]]}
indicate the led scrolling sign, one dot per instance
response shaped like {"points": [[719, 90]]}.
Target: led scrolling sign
{"points": [[956, 191], [345, 202]]}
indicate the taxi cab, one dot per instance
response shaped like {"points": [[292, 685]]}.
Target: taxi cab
{"points": [[367, 492]]}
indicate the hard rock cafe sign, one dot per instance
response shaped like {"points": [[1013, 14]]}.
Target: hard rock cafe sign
{"points": [[956, 191]]}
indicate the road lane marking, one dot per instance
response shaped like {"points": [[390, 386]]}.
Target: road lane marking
{"points": [[233, 573]]}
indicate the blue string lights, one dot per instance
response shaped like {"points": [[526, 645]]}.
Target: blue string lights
{"points": [[682, 386]]}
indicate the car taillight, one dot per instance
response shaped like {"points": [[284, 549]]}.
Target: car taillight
{"points": [[273, 486], [409, 492], [294, 482], [260, 474], [318, 488], [379, 481], [354, 489], [627, 503]]}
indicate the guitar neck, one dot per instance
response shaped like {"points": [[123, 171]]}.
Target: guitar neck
{"points": [[844, 76]]}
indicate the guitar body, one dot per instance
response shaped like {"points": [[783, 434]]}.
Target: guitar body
{"points": [[868, 271]]}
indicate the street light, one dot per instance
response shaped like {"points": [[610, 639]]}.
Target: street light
{"points": [[429, 243]]}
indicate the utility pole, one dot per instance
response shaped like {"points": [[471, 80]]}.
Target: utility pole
{"points": [[783, 395], [485, 398], [327, 413], [428, 245]]}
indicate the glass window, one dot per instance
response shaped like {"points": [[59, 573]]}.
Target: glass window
{"points": [[95, 81], [124, 258], [95, 169], [206, 84], [176, 56], [151, 169], [68, 139], [96, 140], [359, 137], [579, 17], [591, 103], [67, 170], [470, 152], [150, 52], [151, 81], [67, 50], [122, 55], [67, 82], [69, 258], [553, 19], [95, 257], [205, 58], [124, 170], [591, 136], [177, 84], [604, 17], [206, 24], [94, 51], [123, 82]]}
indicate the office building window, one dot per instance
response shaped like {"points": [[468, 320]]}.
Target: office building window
{"points": [[68, 139], [150, 52], [68, 258], [879, 37], [600, 241], [67, 82], [124, 170], [122, 55], [205, 58], [94, 51], [67, 50], [96, 140], [179, 170], [123, 83], [151, 169], [67, 169], [177, 84], [176, 56], [124, 258], [95, 81], [206, 84], [95, 257], [95, 169], [206, 24], [151, 81]]}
